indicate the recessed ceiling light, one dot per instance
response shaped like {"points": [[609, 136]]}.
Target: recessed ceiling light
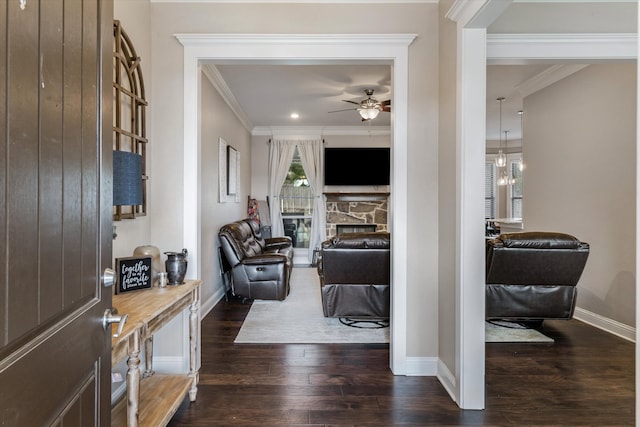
{"points": [[294, 115]]}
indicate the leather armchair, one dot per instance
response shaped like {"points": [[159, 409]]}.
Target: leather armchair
{"points": [[533, 275], [354, 270], [260, 268]]}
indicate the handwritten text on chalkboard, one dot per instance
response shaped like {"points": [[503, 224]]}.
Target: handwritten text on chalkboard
{"points": [[133, 273]]}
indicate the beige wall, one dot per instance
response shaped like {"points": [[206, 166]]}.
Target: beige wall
{"points": [[218, 121], [579, 152], [421, 19], [447, 316]]}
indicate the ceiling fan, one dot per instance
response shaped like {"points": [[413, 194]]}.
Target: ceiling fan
{"points": [[368, 108]]}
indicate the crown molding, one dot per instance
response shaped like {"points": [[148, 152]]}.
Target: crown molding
{"points": [[297, 39], [548, 77], [214, 76], [530, 48], [476, 14], [321, 130]]}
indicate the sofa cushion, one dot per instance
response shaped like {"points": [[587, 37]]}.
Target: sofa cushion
{"points": [[530, 302], [377, 240], [355, 300], [539, 240], [257, 233]]}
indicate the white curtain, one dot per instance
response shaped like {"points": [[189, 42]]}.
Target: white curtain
{"points": [[311, 159], [280, 156]]}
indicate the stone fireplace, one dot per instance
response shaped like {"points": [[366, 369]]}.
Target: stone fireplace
{"points": [[353, 212]]}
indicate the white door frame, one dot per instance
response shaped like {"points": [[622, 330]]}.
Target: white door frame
{"points": [[390, 49], [475, 51]]}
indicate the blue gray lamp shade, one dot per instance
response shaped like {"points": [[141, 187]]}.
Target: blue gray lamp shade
{"points": [[127, 178]]}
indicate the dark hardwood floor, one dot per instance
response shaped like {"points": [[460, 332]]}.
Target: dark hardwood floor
{"points": [[585, 378]]}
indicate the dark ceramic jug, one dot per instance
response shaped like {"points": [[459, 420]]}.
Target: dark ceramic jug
{"points": [[176, 266]]}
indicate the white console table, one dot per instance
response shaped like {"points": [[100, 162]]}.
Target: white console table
{"points": [[152, 398]]}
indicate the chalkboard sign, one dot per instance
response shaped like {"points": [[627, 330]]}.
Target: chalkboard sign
{"points": [[133, 273]]}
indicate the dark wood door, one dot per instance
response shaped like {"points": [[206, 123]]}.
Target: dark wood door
{"points": [[55, 213]]}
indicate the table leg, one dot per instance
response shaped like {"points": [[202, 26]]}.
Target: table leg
{"points": [[194, 338], [148, 357], [133, 380]]}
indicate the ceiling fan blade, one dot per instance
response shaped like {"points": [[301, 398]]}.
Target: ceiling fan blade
{"points": [[351, 102], [386, 105], [337, 111], [387, 102]]}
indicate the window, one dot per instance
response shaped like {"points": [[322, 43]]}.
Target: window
{"points": [[494, 194], [515, 190], [489, 190], [296, 204]]}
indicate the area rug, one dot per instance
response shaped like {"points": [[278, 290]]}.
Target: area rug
{"points": [[512, 332], [299, 318]]}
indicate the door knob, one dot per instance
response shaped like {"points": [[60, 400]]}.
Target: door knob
{"points": [[108, 277], [111, 316]]}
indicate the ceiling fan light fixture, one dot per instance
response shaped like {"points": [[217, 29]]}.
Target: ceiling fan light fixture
{"points": [[369, 113]]}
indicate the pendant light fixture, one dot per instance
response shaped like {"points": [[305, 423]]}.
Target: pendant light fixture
{"points": [[506, 177], [521, 160], [501, 158]]}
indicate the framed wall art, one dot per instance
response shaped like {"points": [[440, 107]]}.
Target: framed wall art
{"points": [[232, 171], [228, 172], [222, 170]]}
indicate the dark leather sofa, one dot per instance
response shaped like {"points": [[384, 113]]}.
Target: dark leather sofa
{"points": [[532, 276], [260, 268], [354, 270]]}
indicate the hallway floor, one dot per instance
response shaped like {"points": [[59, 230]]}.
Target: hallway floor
{"points": [[585, 378]]}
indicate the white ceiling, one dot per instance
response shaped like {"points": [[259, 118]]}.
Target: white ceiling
{"points": [[268, 94], [265, 95], [504, 81]]}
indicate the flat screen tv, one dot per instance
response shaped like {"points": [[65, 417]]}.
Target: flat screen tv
{"points": [[356, 166]]}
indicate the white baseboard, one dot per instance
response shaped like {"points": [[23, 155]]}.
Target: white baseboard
{"points": [[207, 306], [118, 392], [447, 379], [420, 366], [608, 325]]}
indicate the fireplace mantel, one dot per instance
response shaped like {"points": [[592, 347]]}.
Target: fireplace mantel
{"points": [[355, 197]]}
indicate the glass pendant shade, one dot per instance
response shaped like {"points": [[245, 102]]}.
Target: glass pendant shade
{"points": [[501, 158], [502, 180], [505, 179], [369, 113], [521, 160]]}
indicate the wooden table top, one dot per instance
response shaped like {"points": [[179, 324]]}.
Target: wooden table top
{"points": [[143, 306]]}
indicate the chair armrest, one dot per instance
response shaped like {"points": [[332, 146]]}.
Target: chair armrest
{"points": [[264, 259], [277, 242]]}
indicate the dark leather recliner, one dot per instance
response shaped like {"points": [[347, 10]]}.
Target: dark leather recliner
{"points": [[533, 275], [260, 268], [354, 270]]}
